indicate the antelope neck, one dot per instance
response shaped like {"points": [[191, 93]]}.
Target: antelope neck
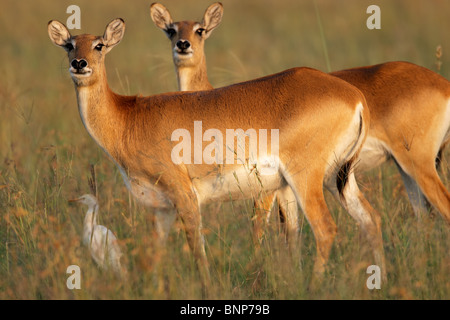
{"points": [[100, 113], [193, 78]]}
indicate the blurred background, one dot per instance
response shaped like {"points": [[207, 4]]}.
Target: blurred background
{"points": [[45, 152]]}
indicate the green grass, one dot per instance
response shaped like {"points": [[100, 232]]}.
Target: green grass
{"points": [[45, 156]]}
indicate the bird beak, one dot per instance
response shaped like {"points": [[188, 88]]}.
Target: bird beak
{"points": [[74, 200]]}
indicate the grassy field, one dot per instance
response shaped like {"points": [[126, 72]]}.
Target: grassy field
{"points": [[46, 153]]}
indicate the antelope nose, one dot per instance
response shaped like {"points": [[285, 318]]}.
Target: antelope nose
{"points": [[183, 44], [79, 64]]}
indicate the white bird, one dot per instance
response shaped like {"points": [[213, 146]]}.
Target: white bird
{"points": [[101, 241]]}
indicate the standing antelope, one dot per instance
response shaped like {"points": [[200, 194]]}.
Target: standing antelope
{"points": [[410, 123], [187, 43], [410, 119], [322, 122]]}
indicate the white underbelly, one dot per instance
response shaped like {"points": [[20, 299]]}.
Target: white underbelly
{"points": [[242, 183], [373, 154], [146, 193]]}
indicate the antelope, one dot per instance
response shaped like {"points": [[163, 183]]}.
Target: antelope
{"points": [[187, 43], [322, 122], [188, 40], [410, 123]]}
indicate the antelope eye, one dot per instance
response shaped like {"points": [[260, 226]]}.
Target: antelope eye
{"points": [[69, 46], [99, 46], [171, 32], [200, 31]]}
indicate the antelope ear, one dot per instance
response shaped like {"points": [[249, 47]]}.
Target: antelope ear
{"points": [[58, 33], [160, 16], [212, 18], [113, 34]]}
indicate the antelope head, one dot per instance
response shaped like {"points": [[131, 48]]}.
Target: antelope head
{"points": [[187, 37], [86, 52]]}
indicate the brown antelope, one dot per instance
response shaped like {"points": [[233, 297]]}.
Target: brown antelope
{"points": [[187, 43], [322, 122], [410, 120], [410, 123], [188, 40]]}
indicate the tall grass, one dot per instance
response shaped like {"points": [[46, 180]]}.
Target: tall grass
{"points": [[45, 156]]}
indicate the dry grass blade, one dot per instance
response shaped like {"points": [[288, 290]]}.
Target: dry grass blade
{"points": [[92, 181]]}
